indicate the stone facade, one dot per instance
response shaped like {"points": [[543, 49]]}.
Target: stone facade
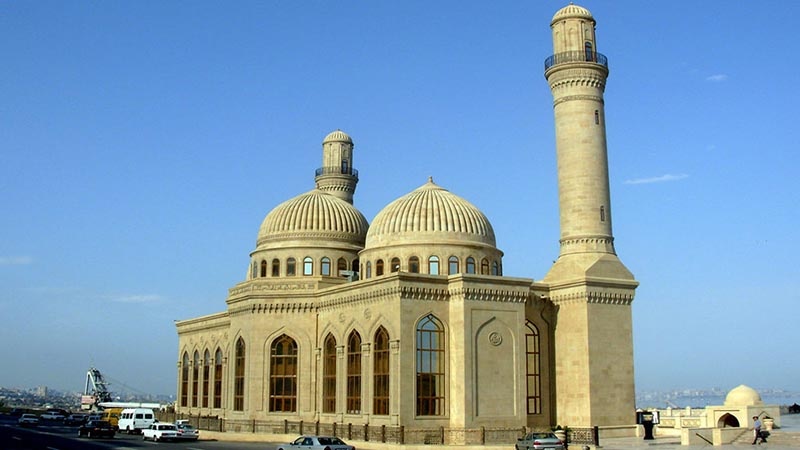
{"points": [[409, 321]]}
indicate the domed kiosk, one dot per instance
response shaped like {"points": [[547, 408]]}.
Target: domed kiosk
{"points": [[408, 331]]}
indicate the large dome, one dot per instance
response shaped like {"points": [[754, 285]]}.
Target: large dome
{"points": [[430, 214], [314, 215], [742, 396], [570, 11]]}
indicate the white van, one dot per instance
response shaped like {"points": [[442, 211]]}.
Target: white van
{"points": [[133, 420]]}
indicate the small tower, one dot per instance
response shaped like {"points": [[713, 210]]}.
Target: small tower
{"points": [[591, 287], [337, 175]]}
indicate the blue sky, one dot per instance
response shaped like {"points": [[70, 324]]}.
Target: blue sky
{"points": [[142, 144]]}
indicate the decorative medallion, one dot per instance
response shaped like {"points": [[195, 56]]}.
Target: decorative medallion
{"points": [[495, 338]]}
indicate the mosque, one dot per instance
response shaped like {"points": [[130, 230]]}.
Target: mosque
{"points": [[408, 321]]}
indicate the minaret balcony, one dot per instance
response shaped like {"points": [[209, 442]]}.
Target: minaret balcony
{"points": [[576, 57], [336, 170]]}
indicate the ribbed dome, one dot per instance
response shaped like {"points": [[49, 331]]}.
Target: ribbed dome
{"points": [[742, 396], [430, 214], [338, 136], [314, 215], [572, 11]]}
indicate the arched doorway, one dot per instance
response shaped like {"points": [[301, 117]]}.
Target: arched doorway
{"points": [[728, 420]]}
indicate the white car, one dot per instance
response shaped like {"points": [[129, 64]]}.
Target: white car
{"points": [[187, 432], [28, 420], [160, 432], [316, 443], [52, 415]]}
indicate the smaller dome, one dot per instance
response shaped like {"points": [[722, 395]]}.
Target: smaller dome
{"points": [[572, 11], [338, 136], [743, 396]]}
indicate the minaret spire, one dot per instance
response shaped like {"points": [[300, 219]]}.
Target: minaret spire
{"points": [[337, 175]]}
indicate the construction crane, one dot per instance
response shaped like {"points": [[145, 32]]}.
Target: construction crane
{"points": [[95, 391]]}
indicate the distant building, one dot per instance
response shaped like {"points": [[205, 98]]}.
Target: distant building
{"points": [[409, 321], [41, 391]]}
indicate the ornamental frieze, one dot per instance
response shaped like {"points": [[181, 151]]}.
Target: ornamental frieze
{"points": [[596, 297]]}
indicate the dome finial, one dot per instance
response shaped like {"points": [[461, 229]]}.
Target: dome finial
{"points": [[430, 180]]}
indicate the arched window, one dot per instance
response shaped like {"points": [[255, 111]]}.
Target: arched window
{"points": [[206, 376], [433, 265], [369, 269], [380, 373], [185, 380], [325, 267], [341, 266], [413, 264], [430, 367], [329, 375], [533, 364], [470, 265], [484, 266], [263, 268], [378, 267], [276, 268], [308, 266], [291, 267], [355, 265], [496, 268], [354, 373], [452, 265], [195, 378], [254, 271], [218, 379], [238, 377], [395, 265], [589, 51], [283, 375]]}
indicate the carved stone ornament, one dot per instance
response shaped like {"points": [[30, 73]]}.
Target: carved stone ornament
{"points": [[495, 338]]}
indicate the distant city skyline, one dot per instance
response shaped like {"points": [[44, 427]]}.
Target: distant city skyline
{"points": [[143, 143]]}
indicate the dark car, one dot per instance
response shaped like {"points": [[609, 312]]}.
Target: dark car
{"points": [[97, 428], [76, 419]]}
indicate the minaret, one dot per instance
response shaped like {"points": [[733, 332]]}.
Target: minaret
{"points": [[337, 175], [591, 287]]}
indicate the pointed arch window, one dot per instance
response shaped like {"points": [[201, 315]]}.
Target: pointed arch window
{"points": [[238, 376], [195, 378], [341, 265], [452, 265], [283, 375], [378, 267], [496, 268], [484, 266], [325, 267], [329, 375], [413, 264], [218, 379], [369, 269], [470, 265], [430, 367], [263, 268], [291, 267], [533, 363], [206, 377], [380, 373], [185, 379], [276, 267], [308, 266], [433, 265], [395, 266], [354, 373]]}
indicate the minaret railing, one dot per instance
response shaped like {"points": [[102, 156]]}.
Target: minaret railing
{"points": [[576, 56], [336, 170]]}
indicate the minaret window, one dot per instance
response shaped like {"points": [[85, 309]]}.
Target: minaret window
{"points": [[308, 266], [291, 267], [589, 52], [276, 267], [470, 265], [452, 264], [596, 117], [329, 375], [263, 268], [325, 266], [413, 264], [602, 214], [378, 267], [345, 167], [433, 265], [395, 267]]}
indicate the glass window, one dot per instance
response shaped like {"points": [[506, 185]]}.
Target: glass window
{"points": [[413, 264], [291, 267], [430, 367], [378, 267], [341, 265], [380, 373], [308, 266], [329, 375], [283, 375], [276, 268], [206, 375], [533, 369], [369, 269], [218, 379], [395, 265], [433, 265], [470, 265], [254, 271], [195, 378], [325, 266], [238, 377], [496, 268], [185, 380], [354, 373], [484, 266], [263, 268], [452, 265]]}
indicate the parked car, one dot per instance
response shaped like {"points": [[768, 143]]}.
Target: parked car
{"points": [[316, 443], [160, 432], [28, 420], [97, 428], [76, 419], [52, 415], [186, 432], [539, 440]]}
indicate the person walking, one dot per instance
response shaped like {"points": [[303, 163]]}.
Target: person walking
{"points": [[756, 430]]}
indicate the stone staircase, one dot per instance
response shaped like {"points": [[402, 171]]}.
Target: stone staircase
{"points": [[776, 438]]}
